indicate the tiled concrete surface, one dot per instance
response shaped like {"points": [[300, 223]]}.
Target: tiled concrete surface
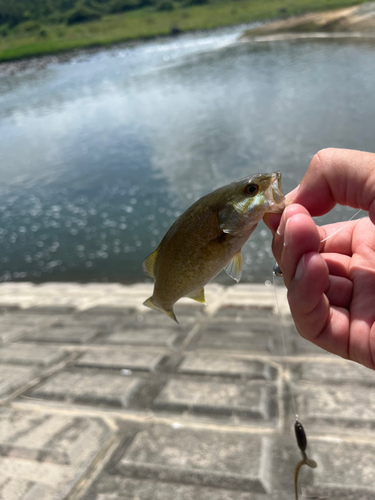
{"points": [[102, 399]]}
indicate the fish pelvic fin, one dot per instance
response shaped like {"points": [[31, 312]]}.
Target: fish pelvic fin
{"points": [[234, 267], [149, 263], [151, 304], [198, 295]]}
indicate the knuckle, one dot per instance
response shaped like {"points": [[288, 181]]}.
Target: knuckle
{"points": [[322, 159]]}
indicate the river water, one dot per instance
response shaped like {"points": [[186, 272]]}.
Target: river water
{"points": [[101, 152]]}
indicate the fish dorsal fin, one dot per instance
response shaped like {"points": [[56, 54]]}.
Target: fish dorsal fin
{"points": [[149, 263], [234, 267], [197, 295]]}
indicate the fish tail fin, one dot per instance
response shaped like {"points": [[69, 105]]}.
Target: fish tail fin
{"points": [[151, 304], [172, 315]]}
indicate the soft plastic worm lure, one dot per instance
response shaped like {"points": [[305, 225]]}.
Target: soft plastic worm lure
{"points": [[302, 444]]}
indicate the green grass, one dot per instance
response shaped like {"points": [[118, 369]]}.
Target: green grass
{"points": [[148, 22]]}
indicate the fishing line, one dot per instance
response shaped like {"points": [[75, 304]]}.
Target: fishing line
{"points": [[341, 228], [274, 274], [298, 427]]}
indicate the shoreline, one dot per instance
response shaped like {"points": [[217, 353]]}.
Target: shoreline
{"points": [[318, 35], [353, 22], [40, 61]]}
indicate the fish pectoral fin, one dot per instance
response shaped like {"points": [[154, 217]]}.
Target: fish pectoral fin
{"points": [[234, 267], [151, 304], [149, 263], [230, 220], [198, 295]]}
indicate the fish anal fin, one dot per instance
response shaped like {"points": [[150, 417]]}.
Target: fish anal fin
{"points": [[197, 295], [149, 263], [151, 304], [234, 267]]}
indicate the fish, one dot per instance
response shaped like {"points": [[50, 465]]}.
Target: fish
{"points": [[208, 237]]}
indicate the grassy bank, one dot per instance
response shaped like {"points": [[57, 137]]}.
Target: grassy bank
{"points": [[148, 22]]}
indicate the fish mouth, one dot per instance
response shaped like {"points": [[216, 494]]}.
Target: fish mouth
{"points": [[275, 193]]}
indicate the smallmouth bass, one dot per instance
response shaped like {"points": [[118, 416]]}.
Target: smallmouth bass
{"points": [[208, 238]]}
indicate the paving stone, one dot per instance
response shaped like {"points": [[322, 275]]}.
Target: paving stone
{"points": [[149, 318], [107, 311], [152, 337], [349, 405], [336, 373], [206, 364], [42, 456], [27, 354], [118, 488], [12, 332], [83, 321], [63, 334], [120, 358], [4, 308], [14, 376], [248, 314], [50, 310], [207, 458], [27, 320], [237, 337], [18, 489], [15, 326], [343, 466], [252, 330], [303, 346], [252, 399], [94, 388]]}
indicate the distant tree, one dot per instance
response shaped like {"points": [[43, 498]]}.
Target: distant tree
{"points": [[15, 12], [165, 5], [123, 5], [196, 2], [82, 14]]}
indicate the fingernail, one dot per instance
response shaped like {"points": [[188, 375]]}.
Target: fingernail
{"points": [[281, 228], [290, 196], [286, 237], [300, 269]]}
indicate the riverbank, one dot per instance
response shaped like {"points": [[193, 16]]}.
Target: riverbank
{"points": [[148, 23], [351, 21]]}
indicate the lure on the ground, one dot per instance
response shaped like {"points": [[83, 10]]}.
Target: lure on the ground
{"points": [[208, 237], [302, 445]]}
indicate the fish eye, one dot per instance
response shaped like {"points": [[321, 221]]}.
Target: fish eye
{"points": [[252, 189]]}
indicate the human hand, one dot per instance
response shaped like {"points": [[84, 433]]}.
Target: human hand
{"points": [[331, 284]]}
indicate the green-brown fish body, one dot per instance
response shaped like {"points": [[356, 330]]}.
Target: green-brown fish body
{"points": [[208, 237]]}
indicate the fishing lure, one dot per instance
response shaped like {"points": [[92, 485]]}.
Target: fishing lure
{"points": [[302, 445]]}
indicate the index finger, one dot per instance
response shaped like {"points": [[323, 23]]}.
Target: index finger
{"points": [[342, 176]]}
